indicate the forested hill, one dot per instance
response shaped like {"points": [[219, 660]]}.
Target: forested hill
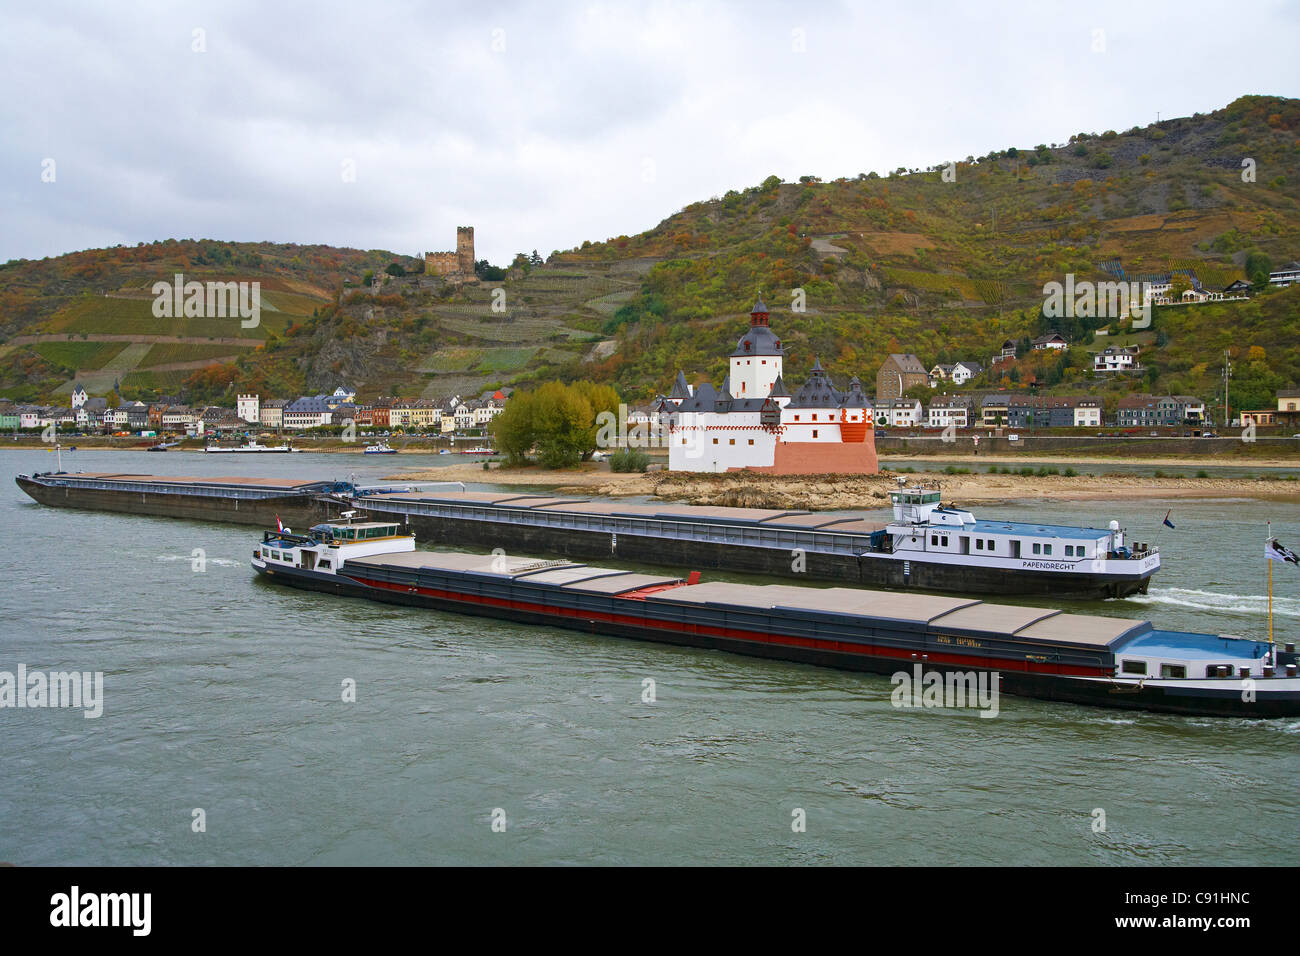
{"points": [[951, 261], [946, 263]]}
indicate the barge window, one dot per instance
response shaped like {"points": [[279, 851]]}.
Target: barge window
{"points": [[1135, 667], [934, 540], [1038, 548], [991, 545], [1173, 670], [324, 563], [1047, 549], [979, 544]]}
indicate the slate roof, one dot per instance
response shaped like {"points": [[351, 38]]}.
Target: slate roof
{"points": [[818, 392]]}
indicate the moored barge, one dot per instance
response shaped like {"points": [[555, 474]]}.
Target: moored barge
{"points": [[1028, 651], [255, 501]]}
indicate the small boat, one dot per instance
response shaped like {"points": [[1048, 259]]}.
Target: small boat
{"points": [[934, 646], [251, 446], [478, 451], [381, 449]]}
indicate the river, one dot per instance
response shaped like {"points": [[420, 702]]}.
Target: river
{"points": [[224, 694]]}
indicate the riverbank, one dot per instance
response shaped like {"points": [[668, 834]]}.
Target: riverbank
{"points": [[841, 492], [319, 446]]}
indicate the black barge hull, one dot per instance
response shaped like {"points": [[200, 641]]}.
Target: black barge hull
{"points": [[1042, 686], [292, 509]]}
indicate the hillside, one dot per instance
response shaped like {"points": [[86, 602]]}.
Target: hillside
{"points": [[950, 269], [946, 263]]}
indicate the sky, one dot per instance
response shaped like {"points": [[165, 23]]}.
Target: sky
{"points": [[387, 125]]}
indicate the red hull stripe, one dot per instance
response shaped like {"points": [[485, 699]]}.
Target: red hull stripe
{"points": [[755, 637]]}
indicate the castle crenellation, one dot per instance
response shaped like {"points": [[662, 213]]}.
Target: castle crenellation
{"points": [[457, 265]]}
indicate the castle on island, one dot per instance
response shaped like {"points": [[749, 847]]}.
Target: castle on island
{"points": [[753, 422]]}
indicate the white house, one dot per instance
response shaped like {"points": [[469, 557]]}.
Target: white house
{"points": [[307, 412], [1087, 413], [1116, 359], [1287, 275], [79, 396], [1052, 340], [248, 408], [963, 372], [900, 412], [949, 410]]}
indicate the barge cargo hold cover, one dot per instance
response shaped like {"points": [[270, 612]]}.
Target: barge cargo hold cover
{"points": [[236, 499], [926, 547]]}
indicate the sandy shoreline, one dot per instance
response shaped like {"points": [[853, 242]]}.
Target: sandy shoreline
{"points": [[835, 492]]}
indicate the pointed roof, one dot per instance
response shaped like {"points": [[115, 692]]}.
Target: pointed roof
{"points": [[680, 389], [759, 339], [702, 401], [855, 397], [725, 391], [778, 388], [758, 306], [818, 392]]}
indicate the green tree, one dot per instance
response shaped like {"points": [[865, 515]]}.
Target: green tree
{"points": [[512, 430], [1258, 266], [922, 393], [395, 269], [563, 424]]}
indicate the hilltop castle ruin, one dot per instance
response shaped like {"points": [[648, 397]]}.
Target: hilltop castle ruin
{"points": [[456, 266]]}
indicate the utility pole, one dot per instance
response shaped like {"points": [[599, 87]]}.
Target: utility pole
{"points": [[1227, 374]]}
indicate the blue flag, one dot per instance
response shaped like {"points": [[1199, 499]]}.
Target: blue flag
{"points": [[1167, 521]]}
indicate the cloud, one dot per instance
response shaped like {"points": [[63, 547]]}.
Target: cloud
{"points": [[544, 125]]}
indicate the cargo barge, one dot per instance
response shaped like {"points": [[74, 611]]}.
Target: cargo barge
{"points": [[255, 501], [1027, 651], [926, 547]]}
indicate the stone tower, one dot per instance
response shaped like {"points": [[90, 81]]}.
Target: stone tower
{"points": [[465, 249]]}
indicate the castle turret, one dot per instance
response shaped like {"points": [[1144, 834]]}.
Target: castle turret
{"points": [[756, 361]]}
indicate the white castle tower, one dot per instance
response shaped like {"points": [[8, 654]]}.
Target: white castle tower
{"points": [[756, 362]]}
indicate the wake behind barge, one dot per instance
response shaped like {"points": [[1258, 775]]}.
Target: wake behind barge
{"points": [[1035, 652]]}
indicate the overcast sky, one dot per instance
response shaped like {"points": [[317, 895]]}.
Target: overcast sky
{"points": [[386, 125]]}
